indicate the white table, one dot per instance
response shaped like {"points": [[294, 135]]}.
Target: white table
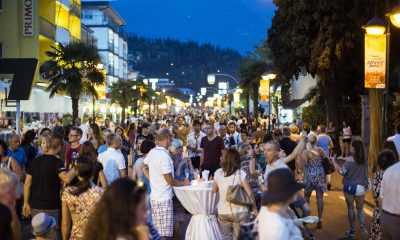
{"points": [[201, 202]]}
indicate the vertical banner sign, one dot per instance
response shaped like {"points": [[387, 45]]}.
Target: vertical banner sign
{"points": [[28, 18], [263, 91], [375, 61]]}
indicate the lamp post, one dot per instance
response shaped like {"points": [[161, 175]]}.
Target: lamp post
{"points": [[269, 77]]}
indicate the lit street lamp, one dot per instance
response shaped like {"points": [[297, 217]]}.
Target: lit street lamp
{"points": [[269, 77]]}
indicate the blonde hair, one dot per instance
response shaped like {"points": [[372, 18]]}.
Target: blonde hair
{"points": [[294, 129]]}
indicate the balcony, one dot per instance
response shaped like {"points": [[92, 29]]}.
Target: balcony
{"points": [[47, 29]]}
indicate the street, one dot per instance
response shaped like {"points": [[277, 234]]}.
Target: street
{"points": [[335, 222]]}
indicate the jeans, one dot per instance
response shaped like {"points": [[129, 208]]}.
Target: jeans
{"points": [[230, 225], [359, 202], [55, 214]]}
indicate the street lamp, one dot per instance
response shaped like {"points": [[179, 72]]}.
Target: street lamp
{"points": [[211, 79], [394, 16], [269, 77]]}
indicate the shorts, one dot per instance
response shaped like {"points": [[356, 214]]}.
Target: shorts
{"points": [[346, 140], [162, 213]]}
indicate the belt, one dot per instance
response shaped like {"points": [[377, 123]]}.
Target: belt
{"points": [[391, 214]]}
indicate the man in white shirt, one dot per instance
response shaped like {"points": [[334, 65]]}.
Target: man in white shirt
{"points": [[396, 139], [193, 141], [159, 167], [389, 194], [113, 160]]}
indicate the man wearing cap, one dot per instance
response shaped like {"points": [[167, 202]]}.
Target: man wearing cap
{"points": [[44, 227], [274, 221]]}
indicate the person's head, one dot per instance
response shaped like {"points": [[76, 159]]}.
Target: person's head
{"points": [[78, 122], [145, 129], [246, 150], [271, 151], [8, 186], [322, 128], [56, 145], [390, 145], [3, 148], [95, 130], [294, 129], [132, 127], [5, 223], [176, 147], [358, 152], [88, 150], [306, 127], [45, 131], [244, 136], [120, 131], [121, 208], [281, 188], [286, 131], [146, 146], [75, 135], [231, 127], [277, 134], [230, 161], [28, 137], [163, 137], [45, 142], [59, 131], [181, 121], [222, 130], [196, 126], [84, 167], [386, 158], [14, 142], [115, 141], [312, 138], [44, 226]]}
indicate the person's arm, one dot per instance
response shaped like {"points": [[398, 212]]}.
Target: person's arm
{"points": [[173, 182], [65, 221], [245, 184], [26, 209], [67, 177], [215, 188], [122, 167], [146, 171], [102, 179], [295, 152], [16, 167], [252, 166]]}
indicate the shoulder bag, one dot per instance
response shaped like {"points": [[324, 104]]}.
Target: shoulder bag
{"points": [[237, 195]]}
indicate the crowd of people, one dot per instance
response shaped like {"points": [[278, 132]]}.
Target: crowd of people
{"points": [[116, 182]]}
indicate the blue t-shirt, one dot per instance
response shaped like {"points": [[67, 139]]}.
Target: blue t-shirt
{"points": [[19, 156], [323, 141], [102, 148]]}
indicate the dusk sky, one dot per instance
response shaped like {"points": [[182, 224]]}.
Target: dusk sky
{"points": [[237, 24]]}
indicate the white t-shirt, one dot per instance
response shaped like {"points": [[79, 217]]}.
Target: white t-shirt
{"points": [[113, 161], [390, 190], [194, 142], [272, 226], [280, 163], [223, 183], [159, 163]]}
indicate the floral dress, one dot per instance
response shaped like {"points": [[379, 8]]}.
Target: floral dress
{"points": [[314, 175], [375, 231], [80, 207]]}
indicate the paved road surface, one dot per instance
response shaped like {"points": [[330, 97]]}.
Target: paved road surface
{"points": [[335, 221]]}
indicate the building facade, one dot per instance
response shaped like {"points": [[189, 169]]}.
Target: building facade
{"points": [[107, 26]]}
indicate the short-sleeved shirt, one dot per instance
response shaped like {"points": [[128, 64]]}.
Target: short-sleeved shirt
{"points": [[223, 184], [280, 163], [159, 163], [324, 141], [355, 174], [212, 151], [113, 161], [46, 184], [71, 155], [390, 189], [19, 156]]}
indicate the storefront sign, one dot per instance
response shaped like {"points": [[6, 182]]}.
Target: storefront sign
{"points": [[264, 90], [375, 61], [28, 18]]}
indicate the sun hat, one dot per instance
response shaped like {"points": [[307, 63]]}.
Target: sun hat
{"points": [[281, 186], [42, 223]]}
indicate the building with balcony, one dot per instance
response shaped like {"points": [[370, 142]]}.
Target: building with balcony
{"points": [[107, 26], [28, 29]]}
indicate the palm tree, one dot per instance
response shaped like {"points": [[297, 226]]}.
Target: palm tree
{"points": [[124, 94], [73, 70]]}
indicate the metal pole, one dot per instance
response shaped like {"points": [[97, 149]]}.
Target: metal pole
{"points": [[18, 116], [385, 123], [269, 109]]}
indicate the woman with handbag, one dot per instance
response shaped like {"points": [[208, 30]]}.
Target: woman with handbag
{"points": [[235, 195], [355, 184]]}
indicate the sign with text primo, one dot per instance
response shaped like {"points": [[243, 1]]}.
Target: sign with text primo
{"points": [[28, 18]]}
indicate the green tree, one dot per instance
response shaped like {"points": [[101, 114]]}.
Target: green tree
{"points": [[73, 70], [124, 94]]}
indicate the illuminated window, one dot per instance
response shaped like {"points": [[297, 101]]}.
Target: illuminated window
{"points": [[75, 26], [62, 16]]}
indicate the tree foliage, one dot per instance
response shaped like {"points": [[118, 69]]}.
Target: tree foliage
{"points": [[124, 94], [73, 70]]}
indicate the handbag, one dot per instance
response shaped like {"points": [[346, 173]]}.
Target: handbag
{"points": [[237, 195], [328, 165]]}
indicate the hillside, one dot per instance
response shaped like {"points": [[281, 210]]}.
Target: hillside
{"points": [[186, 63]]}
